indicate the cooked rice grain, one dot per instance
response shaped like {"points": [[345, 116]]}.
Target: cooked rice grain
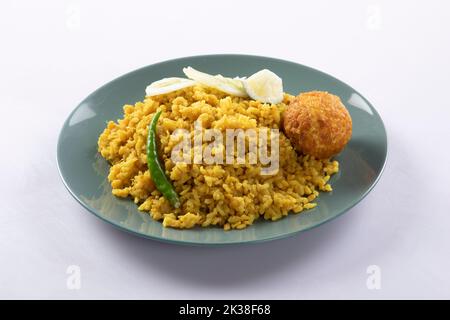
{"points": [[230, 196]]}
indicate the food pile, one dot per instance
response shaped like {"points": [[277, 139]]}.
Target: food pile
{"points": [[313, 127]]}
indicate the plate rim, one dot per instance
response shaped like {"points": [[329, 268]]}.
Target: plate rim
{"points": [[219, 243]]}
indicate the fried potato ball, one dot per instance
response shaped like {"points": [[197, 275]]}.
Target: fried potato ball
{"points": [[318, 124]]}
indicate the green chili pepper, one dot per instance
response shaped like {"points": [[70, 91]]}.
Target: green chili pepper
{"points": [[155, 167]]}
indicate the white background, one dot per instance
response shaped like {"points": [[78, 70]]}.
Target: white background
{"points": [[54, 53]]}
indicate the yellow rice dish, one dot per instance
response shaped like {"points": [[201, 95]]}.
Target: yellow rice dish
{"points": [[227, 195]]}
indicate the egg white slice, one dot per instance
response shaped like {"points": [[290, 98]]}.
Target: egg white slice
{"points": [[231, 86], [264, 86], [167, 85]]}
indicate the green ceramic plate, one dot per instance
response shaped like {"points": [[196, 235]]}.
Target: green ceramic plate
{"points": [[84, 172]]}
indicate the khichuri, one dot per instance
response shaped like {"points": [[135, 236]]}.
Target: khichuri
{"points": [[208, 150]]}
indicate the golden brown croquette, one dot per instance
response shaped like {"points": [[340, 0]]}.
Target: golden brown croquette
{"points": [[318, 124]]}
